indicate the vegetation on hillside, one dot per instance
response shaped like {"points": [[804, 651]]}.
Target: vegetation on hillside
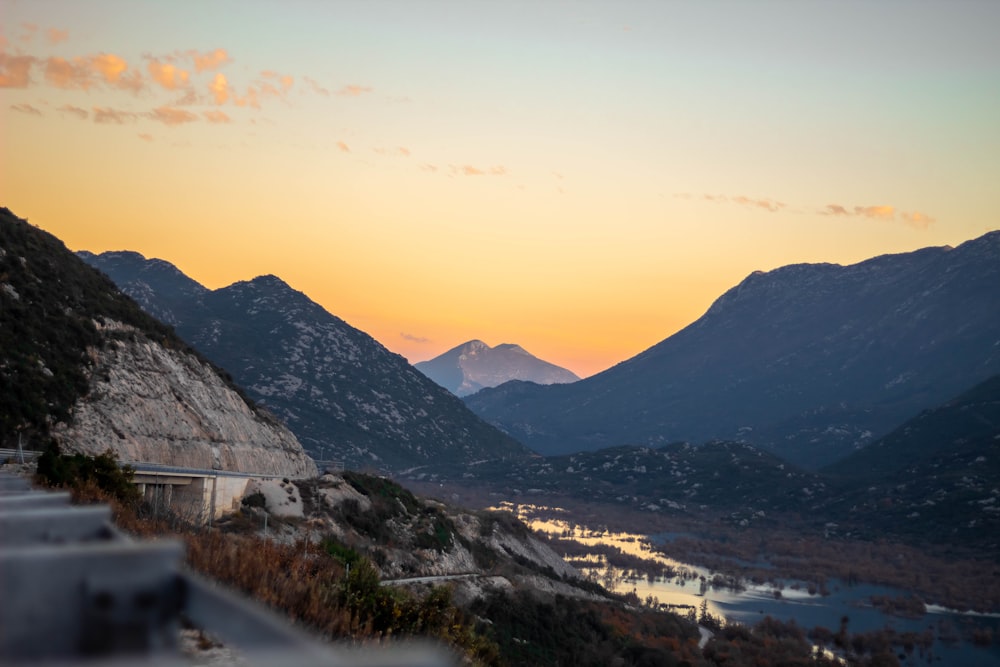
{"points": [[51, 305]]}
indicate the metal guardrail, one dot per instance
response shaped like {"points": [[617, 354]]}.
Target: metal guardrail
{"points": [[77, 591], [18, 456]]}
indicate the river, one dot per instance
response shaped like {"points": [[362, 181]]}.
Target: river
{"points": [[691, 585]]}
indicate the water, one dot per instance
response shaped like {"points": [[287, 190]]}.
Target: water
{"points": [[690, 586]]}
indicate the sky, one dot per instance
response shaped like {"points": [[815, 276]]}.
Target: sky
{"points": [[580, 178]]}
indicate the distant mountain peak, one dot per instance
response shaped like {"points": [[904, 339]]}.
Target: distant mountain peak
{"points": [[469, 367]]}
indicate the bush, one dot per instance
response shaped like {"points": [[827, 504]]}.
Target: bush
{"points": [[78, 470]]}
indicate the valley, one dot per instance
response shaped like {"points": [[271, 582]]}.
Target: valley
{"points": [[648, 547]]}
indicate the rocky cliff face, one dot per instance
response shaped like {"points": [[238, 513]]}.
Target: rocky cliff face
{"points": [[340, 392], [82, 363], [149, 403]]}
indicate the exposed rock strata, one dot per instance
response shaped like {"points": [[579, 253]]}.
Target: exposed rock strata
{"points": [[148, 403]]}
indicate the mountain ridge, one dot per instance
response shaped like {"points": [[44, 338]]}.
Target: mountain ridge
{"points": [[85, 367], [467, 368], [340, 391], [809, 361]]}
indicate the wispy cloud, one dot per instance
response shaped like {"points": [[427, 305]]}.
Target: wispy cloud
{"points": [[115, 116], [82, 114], [172, 116], [28, 31], [315, 86], [219, 88], [397, 151], [354, 90], [15, 71], [215, 116], [86, 72], [145, 137], [879, 212], [209, 61], [54, 35], [765, 204], [344, 148], [414, 339], [26, 108], [914, 219], [470, 170], [168, 75], [917, 219]]}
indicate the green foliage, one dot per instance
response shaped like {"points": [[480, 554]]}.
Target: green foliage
{"points": [[392, 504], [49, 303], [77, 470], [255, 499], [345, 554]]}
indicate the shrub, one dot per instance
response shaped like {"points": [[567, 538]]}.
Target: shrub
{"points": [[78, 470]]}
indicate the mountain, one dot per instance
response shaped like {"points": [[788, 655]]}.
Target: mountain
{"points": [[83, 365], [341, 392], [810, 361], [466, 369], [934, 477]]}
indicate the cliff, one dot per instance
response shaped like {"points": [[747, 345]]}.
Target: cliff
{"points": [[82, 364], [150, 403]]}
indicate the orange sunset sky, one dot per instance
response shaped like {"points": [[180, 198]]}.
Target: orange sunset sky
{"points": [[580, 178]]}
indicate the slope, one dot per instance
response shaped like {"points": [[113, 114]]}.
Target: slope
{"points": [[82, 364], [808, 361], [341, 392]]}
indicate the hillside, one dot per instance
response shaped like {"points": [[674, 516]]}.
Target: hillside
{"points": [[82, 364], [342, 393], [469, 367], [934, 478], [809, 361]]}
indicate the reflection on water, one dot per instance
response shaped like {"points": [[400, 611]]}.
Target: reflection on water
{"points": [[683, 587]]}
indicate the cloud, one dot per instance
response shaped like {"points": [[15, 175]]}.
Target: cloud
{"points": [[55, 35], [766, 204], [917, 219], [414, 339], [168, 75], [29, 32], [209, 61], [63, 73], [343, 147], [216, 117], [834, 209], [399, 150], [172, 116], [145, 137], [880, 212], [428, 167], [285, 80], [109, 115], [219, 88], [74, 111], [251, 99], [86, 72], [354, 90], [15, 71], [26, 108], [315, 87], [469, 170]]}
